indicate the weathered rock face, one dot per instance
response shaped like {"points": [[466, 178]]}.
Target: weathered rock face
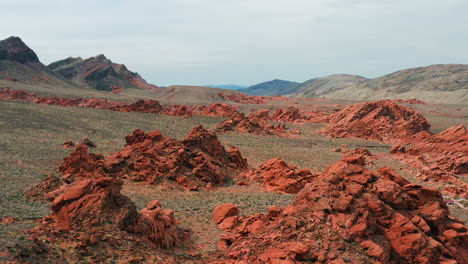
{"points": [[99, 73], [223, 211], [88, 207], [376, 215], [198, 161], [275, 175], [14, 49], [248, 125], [218, 109], [439, 158], [382, 120]]}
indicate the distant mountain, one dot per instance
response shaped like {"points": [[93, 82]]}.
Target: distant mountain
{"points": [[325, 85], [19, 63], [274, 87], [446, 83], [227, 86], [98, 73]]}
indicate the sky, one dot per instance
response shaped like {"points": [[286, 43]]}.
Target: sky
{"points": [[244, 42]]}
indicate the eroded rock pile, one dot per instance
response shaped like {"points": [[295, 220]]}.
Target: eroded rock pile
{"points": [[248, 125], [439, 158], [290, 114], [92, 213], [351, 214], [242, 98], [141, 106], [276, 175], [218, 109], [197, 161], [382, 120]]}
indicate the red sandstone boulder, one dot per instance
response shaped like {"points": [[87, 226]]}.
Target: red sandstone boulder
{"points": [[92, 206], [275, 175], [223, 211]]}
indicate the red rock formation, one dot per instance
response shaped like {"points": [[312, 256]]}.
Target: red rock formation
{"points": [[5, 220], [180, 110], [68, 144], [89, 207], [218, 109], [81, 164], [260, 115], [275, 175], [242, 98], [351, 214], [48, 184], [293, 115], [198, 161], [295, 131], [142, 106], [245, 124], [410, 101], [439, 158], [223, 211], [382, 120]]}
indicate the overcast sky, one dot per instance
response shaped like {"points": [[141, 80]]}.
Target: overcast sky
{"points": [[244, 41]]}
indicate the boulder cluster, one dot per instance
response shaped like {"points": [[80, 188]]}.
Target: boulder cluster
{"points": [[249, 125], [87, 206], [242, 98], [348, 214], [439, 158], [277, 176], [200, 160], [383, 120], [291, 114]]}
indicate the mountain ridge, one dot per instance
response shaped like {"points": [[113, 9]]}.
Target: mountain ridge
{"points": [[269, 88]]}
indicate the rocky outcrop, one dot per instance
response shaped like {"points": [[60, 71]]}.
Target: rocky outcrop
{"points": [[382, 120], [241, 123], [291, 114], [242, 98], [277, 176], [93, 211], [410, 101], [439, 158], [218, 109], [197, 161], [351, 214], [141, 106]]}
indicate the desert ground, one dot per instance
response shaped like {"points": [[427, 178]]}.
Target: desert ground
{"points": [[31, 148]]}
